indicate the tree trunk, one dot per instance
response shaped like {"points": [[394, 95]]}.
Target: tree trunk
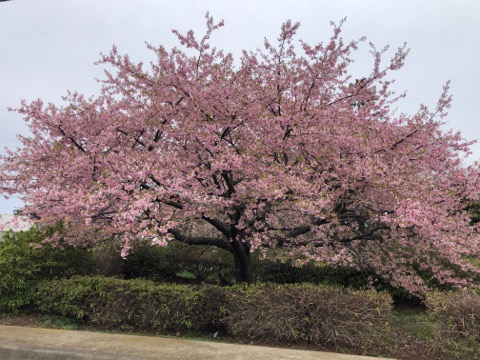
{"points": [[240, 250], [243, 264]]}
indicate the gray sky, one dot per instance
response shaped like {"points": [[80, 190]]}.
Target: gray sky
{"points": [[48, 46]]}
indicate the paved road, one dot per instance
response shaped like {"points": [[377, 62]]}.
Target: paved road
{"points": [[19, 343]]}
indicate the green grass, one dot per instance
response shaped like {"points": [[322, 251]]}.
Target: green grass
{"points": [[61, 322], [186, 275], [415, 322], [418, 326]]}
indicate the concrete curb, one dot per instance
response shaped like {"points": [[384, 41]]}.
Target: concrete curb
{"points": [[19, 343]]}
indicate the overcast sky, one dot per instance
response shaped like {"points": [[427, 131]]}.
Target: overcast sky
{"points": [[48, 46]]}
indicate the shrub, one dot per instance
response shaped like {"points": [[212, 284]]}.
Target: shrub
{"points": [[107, 259], [323, 315], [208, 264], [25, 261], [457, 313], [133, 304], [158, 263], [281, 272], [151, 262]]}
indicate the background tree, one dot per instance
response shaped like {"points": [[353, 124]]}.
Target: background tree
{"points": [[274, 150]]}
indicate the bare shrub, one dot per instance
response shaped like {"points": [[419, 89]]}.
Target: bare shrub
{"points": [[457, 313], [323, 315]]}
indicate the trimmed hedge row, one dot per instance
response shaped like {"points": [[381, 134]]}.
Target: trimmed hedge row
{"points": [[285, 313], [323, 315], [137, 304]]}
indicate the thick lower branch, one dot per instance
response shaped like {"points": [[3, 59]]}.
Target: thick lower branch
{"points": [[219, 225], [304, 229], [201, 240]]}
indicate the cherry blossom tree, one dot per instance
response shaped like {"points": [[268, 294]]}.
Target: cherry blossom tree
{"points": [[280, 149]]}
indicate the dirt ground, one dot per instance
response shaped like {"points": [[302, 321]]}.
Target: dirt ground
{"points": [[27, 320]]}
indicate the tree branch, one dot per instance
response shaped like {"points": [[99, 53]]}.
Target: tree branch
{"points": [[230, 183], [219, 225], [201, 240]]}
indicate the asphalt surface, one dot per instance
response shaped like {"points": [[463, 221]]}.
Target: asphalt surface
{"points": [[20, 343]]}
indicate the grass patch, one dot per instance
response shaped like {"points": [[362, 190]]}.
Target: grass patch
{"points": [[415, 322], [415, 335], [61, 322]]}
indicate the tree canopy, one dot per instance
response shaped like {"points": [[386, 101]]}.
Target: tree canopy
{"points": [[281, 148]]}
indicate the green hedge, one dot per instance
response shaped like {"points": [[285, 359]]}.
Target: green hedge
{"points": [[25, 261], [136, 304], [284, 313]]}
